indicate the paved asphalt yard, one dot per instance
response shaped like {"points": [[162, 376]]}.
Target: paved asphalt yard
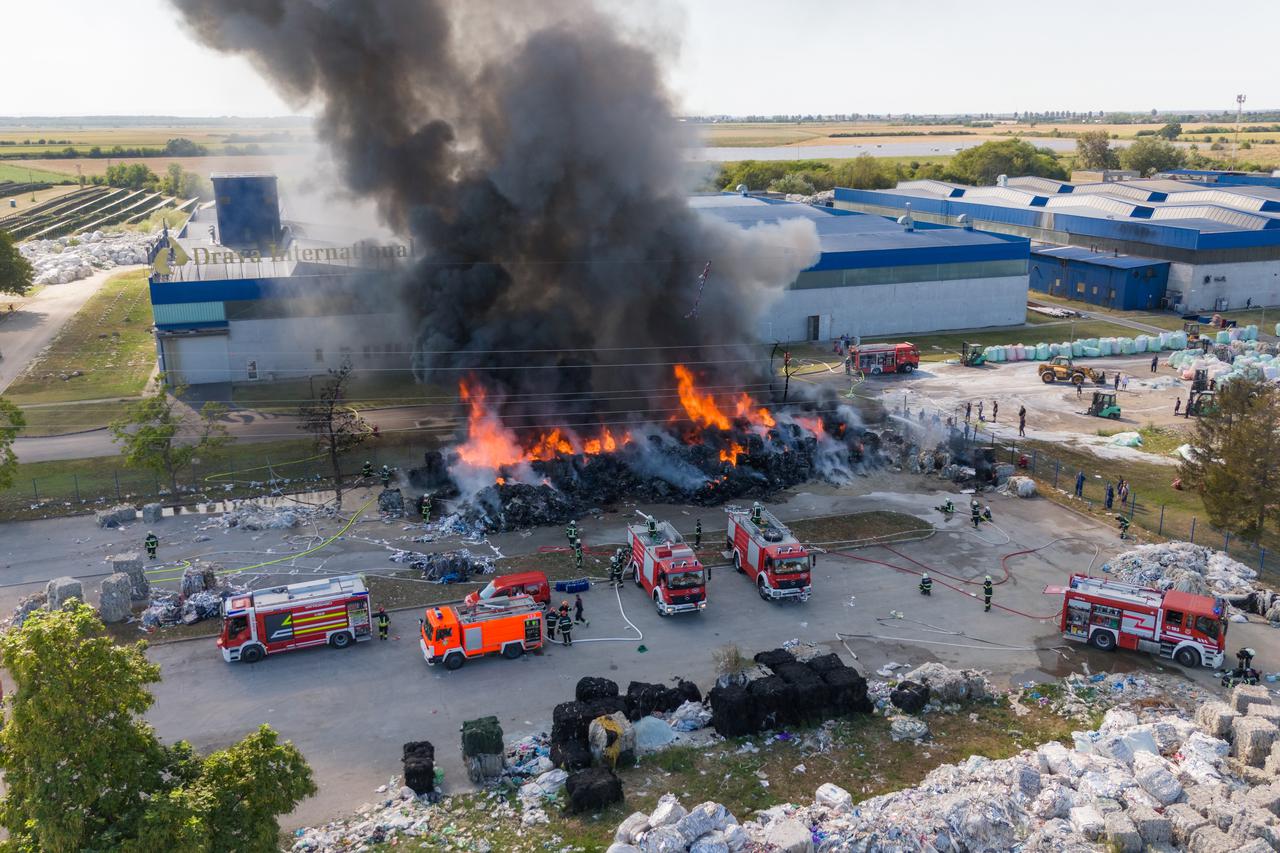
{"points": [[351, 711]]}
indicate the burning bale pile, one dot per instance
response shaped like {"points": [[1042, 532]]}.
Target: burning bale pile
{"points": [[796, 693]]}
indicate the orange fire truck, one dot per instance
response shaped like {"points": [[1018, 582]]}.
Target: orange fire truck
{"points": [[666, 568], [766, 552], [1110, 614], [508, 625], [333, 611], [885, 358]]}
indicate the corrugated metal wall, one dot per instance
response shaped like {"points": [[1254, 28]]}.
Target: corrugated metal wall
{"points": [[1126, 289]]}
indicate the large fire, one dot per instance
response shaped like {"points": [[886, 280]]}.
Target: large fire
{"points": [[492, 446]]}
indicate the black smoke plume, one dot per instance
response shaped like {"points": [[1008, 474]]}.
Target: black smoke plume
{"points": [[532, 149]]}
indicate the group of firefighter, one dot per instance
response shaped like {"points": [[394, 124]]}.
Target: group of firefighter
{"points": [[977, 512], [926, 588]]}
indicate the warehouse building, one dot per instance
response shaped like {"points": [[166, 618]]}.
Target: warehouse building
{"points": [[876, 277], [239, 295], [1112, 281], [1219, 233]]}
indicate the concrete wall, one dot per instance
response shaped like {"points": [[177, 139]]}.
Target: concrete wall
{"points": [[1259, 281], [309, 346], [898, 309]]}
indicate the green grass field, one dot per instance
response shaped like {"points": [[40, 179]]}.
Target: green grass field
{"points": [[108, 341], [22, 175]]}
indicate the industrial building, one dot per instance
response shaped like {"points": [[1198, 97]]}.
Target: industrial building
{"points": [[1112, 281], [876, 277], [240, 295], [1219, 232]]}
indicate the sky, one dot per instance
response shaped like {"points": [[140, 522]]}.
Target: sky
{"points": [[735, 57]]}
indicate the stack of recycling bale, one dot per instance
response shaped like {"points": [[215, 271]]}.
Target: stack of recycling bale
{"points": [[570, 721], [482, 749], [796, 693], [420, 766], [644, 699]]}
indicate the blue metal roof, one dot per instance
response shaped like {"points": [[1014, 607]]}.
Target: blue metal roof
{"points": [[1076, 253], [851, 240]]}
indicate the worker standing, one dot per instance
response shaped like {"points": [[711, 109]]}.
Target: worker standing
{"points": [[426, 508], [975, 512], [980, 416], [571, 532], [577, 555], [366, 470], [384, 623], [1080, 390], [757, 513], [1155, 363], [1177, 406], [968, 409], [1080, 484], [1116, 382], [577, 610], [697, 533], [566, 625], [986, 594], [926, 584], [385, 476], [1022, 421], [1109, 497], [995, 410], [152, 542]]}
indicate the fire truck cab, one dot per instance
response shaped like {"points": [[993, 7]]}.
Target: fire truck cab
{"points": [[666, 568], [333, 611], [766, 552], [1109, 614], [875, 359], [510, 626]]}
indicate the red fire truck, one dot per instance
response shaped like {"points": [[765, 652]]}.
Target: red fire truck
{"points": [[885, 358], [666, 568], [1109, 614], [766, 552], [332, 611]]}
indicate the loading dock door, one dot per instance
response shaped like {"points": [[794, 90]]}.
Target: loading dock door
{"points": [[812, 325], [197, 360]]}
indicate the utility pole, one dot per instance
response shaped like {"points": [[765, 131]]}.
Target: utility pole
{"points": [[1236, 144]]}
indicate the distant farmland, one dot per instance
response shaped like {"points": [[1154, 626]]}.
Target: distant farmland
{"points": [[98, 166]]}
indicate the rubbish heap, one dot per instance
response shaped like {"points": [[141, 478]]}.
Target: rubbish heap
{"points": [[446, 566], [1147, 777], [255, 516], [1185, 567], [202, 591], [794, 693], [75, 257]]}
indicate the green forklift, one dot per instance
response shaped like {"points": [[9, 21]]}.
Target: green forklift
{"points": [[1104, 405], [1202, 403], [972, 355]]}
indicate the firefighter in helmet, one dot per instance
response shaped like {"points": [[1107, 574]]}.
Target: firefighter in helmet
{"points": [[697, 533], [426, 508], [1124, 526], [152, 542], [757, 513], [385, 476], [366, 470], [947, 508], [986, 513], [565, 624], [975, 512], [571, 532], [383, 621], [577, 554], [986, 594], [615, 570], [926, 584], [653, 528]]}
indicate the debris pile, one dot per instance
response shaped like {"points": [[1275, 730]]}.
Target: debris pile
{"points": [[671, 828], [1145, 778], [72, 258], [26, 606], [116, 516], [822, 687], [1185, 567], [255, 516], [951, 685], [446, 566]]}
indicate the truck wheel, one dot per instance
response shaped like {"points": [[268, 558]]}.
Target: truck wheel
{"points": [[877, 370], [1188, 657], [513, 651], [907, 368], [340, 640], [760, 589], [1103, 641], [1047, 377], [657, 603], [1077, 379], [252, 654], [635, 574], [737, 563], [454, 661]]}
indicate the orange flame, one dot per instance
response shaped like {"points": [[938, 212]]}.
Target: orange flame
{"points": [[746, 410], [488, 444], [731, 455], [813, 425], [700, 408]]}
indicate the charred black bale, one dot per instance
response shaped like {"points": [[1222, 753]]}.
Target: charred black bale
{"points": [[733, 711], [825, 663], [571, 755], [419, 761], [775, 701], [569, 722], [592, 789], [773, 659], [910, 696], [595, 688], [644, 699], [848, 691], [689, 692], [604, 706], [813, 699], [433, 475]]}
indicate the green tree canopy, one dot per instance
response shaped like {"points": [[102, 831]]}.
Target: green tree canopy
{"points": [[151, 431], [1170, 131], [982, 164], [1149, 155], [12, 422], [15, 270], [791, 183], [1094, 151], [865, 173], [1233, 455], [84, 772]]}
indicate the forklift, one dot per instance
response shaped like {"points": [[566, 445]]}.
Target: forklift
{"points": [[1104, 405], [1201, 403], [1194, 338], [971, 355]]}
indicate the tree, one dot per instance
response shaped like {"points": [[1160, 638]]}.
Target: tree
{"points": [[84, 771], [12, 422], [1170, 131], [1094, 151], [15, 270], [865, 172], [1232, 459], [1149, 155], [793, 183], [151, 430], [982, 164], [334, 426]]}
